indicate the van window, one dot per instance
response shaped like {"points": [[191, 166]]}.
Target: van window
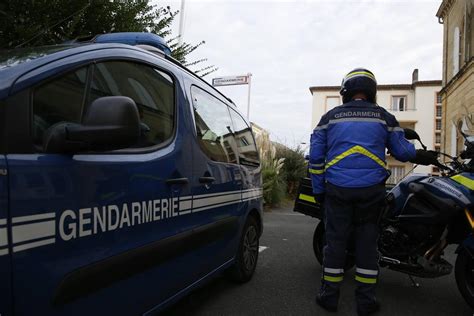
{"points": [[214, 127], [151, 89], [59, 100], [248, 154]]}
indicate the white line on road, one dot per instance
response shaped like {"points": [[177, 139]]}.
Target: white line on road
{"points": [[262, 248]]}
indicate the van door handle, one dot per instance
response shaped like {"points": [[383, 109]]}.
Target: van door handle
{"points": [[206, 179], [177, 181]]}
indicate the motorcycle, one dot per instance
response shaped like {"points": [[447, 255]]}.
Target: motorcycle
{"points": [[422, 215]]}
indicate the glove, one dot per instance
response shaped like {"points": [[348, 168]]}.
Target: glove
{"points": [[319, 198], [425, 157]]}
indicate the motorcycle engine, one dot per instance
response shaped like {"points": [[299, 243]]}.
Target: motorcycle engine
{"points": [[394, 242]]}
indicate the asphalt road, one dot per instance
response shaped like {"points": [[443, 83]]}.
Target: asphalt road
{"points": [[287, 279]]}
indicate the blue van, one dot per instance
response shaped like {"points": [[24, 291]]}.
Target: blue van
{"points": [[126, 181]]}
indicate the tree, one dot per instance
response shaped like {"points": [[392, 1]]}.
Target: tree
{"points": [[26, 23]]}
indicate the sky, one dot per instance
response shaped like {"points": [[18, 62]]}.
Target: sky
{"points": [[289, 46]]}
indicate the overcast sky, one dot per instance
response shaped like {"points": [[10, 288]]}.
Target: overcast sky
{"points": [[289, 46]]}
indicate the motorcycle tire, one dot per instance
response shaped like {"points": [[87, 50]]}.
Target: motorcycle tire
{"points": [[464, 275], [319, 241]]}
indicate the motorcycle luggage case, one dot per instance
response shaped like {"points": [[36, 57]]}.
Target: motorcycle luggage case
{"points": [[306, 202]]}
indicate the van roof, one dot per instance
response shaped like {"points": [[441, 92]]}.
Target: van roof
{"points": [[16, 62]]}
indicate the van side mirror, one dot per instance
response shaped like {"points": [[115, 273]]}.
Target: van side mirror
{"points": [[109, 123]]}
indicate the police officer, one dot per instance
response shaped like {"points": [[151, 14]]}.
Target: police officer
{"points": [[348, 171]]}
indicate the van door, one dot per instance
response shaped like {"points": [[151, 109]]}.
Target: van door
{"points": [[217, 179], [5, 263], [103, 233]]}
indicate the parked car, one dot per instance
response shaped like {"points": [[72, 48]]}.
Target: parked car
{"points": [[123, 184]]}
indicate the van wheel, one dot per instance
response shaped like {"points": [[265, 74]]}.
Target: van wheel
{"points": [[247, 253]]}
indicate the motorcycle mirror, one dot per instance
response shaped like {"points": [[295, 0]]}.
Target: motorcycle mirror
{"points": [[412, 135]]}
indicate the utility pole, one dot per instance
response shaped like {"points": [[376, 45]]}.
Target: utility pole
{"points": [[181, 23], [249, 75]]}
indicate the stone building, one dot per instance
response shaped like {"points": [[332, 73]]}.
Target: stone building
{"points": [[457, 17]]}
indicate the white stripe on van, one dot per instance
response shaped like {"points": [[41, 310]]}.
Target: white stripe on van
{"points": [[3, 252], [34, 245], [33, 231], [200, 196], [3, 237], [184, 205], [215, 206], [30, 218], [216, 200]]}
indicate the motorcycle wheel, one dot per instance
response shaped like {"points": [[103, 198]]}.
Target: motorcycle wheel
{"points": [[464, 273], [319, 241]]}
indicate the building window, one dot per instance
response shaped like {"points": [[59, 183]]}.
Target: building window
{"points": [[438, 124], [439, 111], [397, 174], [438, 98], [438, 138], [399, 103], [332, 102], [456, 50]]}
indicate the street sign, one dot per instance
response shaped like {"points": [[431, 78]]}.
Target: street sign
{"points": [[230, 81]]}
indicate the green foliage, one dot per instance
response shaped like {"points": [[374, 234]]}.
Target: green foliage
{"points": [[294, 169], [25, 23], [274, 187]]}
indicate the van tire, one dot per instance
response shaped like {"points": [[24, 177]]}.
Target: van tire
{"points": [[247, 253]]}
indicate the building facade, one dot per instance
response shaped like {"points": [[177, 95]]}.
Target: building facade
{"points": [[457, 17], [416, 106]]}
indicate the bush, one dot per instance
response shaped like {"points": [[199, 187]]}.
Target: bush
{"points": [[274, 188], [294, 168]]}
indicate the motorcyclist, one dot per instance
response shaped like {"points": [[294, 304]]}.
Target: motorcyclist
{"points": [[348, 171]]}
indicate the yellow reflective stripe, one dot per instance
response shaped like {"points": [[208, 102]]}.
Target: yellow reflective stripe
{"points": [[469, 217], [333, 278], [316, 171], [465, 181], [356, 150], [366, 280], [307, 198], [352, 74]]}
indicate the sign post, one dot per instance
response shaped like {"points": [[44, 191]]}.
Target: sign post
{"points": [[233, 81]]}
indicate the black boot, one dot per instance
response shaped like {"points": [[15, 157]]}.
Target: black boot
{"points": [[324, 304]]}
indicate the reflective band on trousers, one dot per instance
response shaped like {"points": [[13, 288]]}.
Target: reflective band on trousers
{"points": [[367, 271], [366, 280], [356, 150], [334, 271], [465, 181], [333, 278]]}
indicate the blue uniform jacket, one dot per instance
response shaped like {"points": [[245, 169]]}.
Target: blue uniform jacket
{"points": [[348, 146]]}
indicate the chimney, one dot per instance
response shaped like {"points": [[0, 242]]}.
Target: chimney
{"points": [[414, 76]]}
